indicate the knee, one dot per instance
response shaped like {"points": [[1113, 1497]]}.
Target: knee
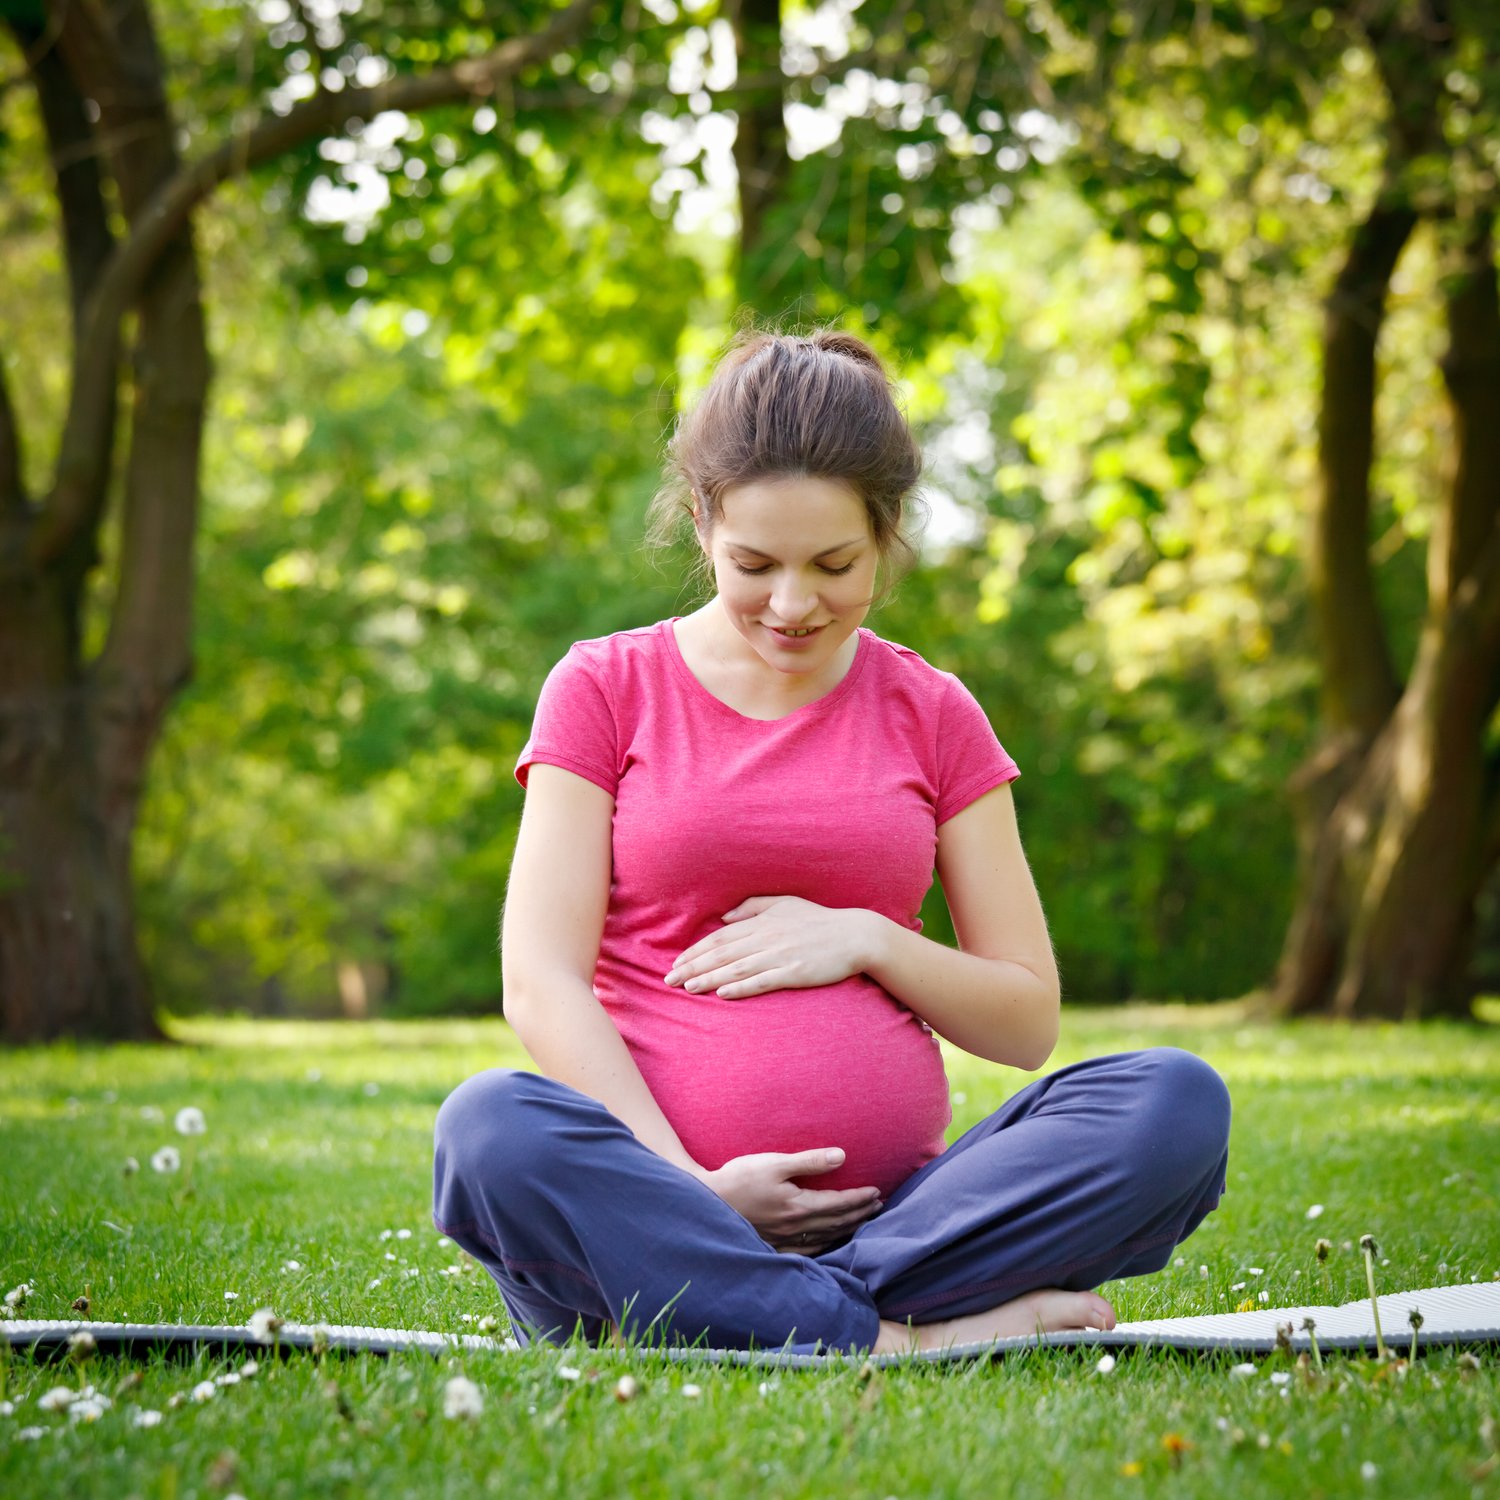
{"points": [[1188, 1110], [483, 1122]]}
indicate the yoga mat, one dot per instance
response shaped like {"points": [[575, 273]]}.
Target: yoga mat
{"points": [[1451, 1315]]}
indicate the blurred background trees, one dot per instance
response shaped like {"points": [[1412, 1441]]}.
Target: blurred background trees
{"points": [[1194, 308]]}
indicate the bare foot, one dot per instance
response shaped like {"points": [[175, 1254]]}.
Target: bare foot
{"points": [[1049, 1310]]}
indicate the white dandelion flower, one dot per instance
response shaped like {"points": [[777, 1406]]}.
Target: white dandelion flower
{"points": [[1106, 1364], [291, 1265], [231, 1296], [249, 1368], [30, 1434], [1281, 1377], [627, 1388], [1243, 1372], [462, 1398], [131, 1166], [205, 1390], [372, 1283], [691, 1392], [17, 1295], [412, 1271], [569, 1372], [82, 1344], [59, 1398], [147, 1418], [489, 1323], [227, 1378], [264, 1325], [89, 1408], [1368, 1471], [7, 1408], [1314, 1210], [1238, 1286], [190, 1120], [403, 1234], [166, 1160]]}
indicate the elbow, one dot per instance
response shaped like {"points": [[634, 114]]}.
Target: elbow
{"points": [[1033, 1042]]}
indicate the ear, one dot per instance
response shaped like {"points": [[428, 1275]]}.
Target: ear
{"points": [[700, 527]]}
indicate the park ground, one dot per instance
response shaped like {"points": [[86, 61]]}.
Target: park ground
{"points": [[307, 1192]]}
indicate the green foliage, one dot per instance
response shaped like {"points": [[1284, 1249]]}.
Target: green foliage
{"points": [[448, 347]]}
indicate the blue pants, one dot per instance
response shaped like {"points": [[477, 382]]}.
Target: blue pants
{"points": [[1094, 1172]]}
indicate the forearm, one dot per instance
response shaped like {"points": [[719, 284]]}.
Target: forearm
{"points": [[996, 1008], [570, 1038]]}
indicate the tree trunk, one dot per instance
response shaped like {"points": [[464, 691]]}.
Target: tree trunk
{"points": [[68, 960], [76, 737], [760, 157], [1400, 827]]}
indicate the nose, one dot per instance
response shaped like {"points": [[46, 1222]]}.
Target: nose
{"points": [[792, 598]]}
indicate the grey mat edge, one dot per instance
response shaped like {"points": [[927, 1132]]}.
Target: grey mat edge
{"points": [[49, 1337]]}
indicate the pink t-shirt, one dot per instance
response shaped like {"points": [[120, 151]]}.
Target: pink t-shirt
{"points": [[838, 802]]}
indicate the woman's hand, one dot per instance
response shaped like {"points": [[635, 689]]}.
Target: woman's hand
{"points": [[778, 943], [792, 1219]]}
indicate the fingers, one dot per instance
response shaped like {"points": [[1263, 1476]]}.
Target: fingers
{"points": [[815, 1235], [751, 908], [810, 1163]]}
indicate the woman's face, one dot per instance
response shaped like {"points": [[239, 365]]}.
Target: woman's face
{"points": [[795, 560]]}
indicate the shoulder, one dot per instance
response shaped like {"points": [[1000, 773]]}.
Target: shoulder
{"points": [[620, 657], [897, 668]]}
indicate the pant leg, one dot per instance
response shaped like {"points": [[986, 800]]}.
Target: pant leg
{"points": [[1094, 1172], [575, 1219]]}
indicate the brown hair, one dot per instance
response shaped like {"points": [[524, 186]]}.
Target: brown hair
{"points": [[784, 405]]}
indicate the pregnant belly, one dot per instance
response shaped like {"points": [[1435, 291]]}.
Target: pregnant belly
{"points": [[843, 1065]]}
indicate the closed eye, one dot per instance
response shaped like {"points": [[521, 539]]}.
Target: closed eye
{"points": [[766, 568]]}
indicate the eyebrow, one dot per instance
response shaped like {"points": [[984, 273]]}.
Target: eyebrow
{"points": [[826, 552]]}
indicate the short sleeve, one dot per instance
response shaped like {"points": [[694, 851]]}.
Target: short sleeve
{"points": [[574, 725], [971, 760]]}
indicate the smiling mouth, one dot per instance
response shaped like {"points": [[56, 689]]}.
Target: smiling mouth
{"points": [[795, 635]]}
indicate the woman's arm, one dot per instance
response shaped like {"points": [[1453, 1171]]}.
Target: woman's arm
{"points": [[997, 996], [554, 918]]}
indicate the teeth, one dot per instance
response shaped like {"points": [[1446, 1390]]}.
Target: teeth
{"points": [[808, 630]]}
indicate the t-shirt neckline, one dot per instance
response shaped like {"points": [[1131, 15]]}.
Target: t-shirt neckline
{"points": [[674, 651]]}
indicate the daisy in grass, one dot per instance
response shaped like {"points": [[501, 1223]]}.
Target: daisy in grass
{"points": [[264, 1325], [190, 1123], [15, 1298], [167, 1159], [462, 1399]]}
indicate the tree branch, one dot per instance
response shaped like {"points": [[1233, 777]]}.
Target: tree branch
{"points": [[87, 244], [1359, 677], [156, 224], [1471, 371], [13, 505]]}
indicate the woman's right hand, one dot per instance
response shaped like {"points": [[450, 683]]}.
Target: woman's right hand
{"points": [[790, 1218]]}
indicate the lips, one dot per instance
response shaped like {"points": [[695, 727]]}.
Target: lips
{"points": [[797, 633]]}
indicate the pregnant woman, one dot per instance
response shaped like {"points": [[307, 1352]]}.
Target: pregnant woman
{"points": [[712, 952]]}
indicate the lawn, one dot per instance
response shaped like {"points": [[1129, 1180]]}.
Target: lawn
{"points": [[308, 1193]]}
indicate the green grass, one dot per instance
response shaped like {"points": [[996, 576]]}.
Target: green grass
{"points": [[319, 1141]]}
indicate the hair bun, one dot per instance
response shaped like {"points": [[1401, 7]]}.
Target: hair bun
{"points": [[836, 341]]}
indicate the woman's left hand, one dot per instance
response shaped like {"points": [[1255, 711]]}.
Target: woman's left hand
{"points": [[778, 943]]}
